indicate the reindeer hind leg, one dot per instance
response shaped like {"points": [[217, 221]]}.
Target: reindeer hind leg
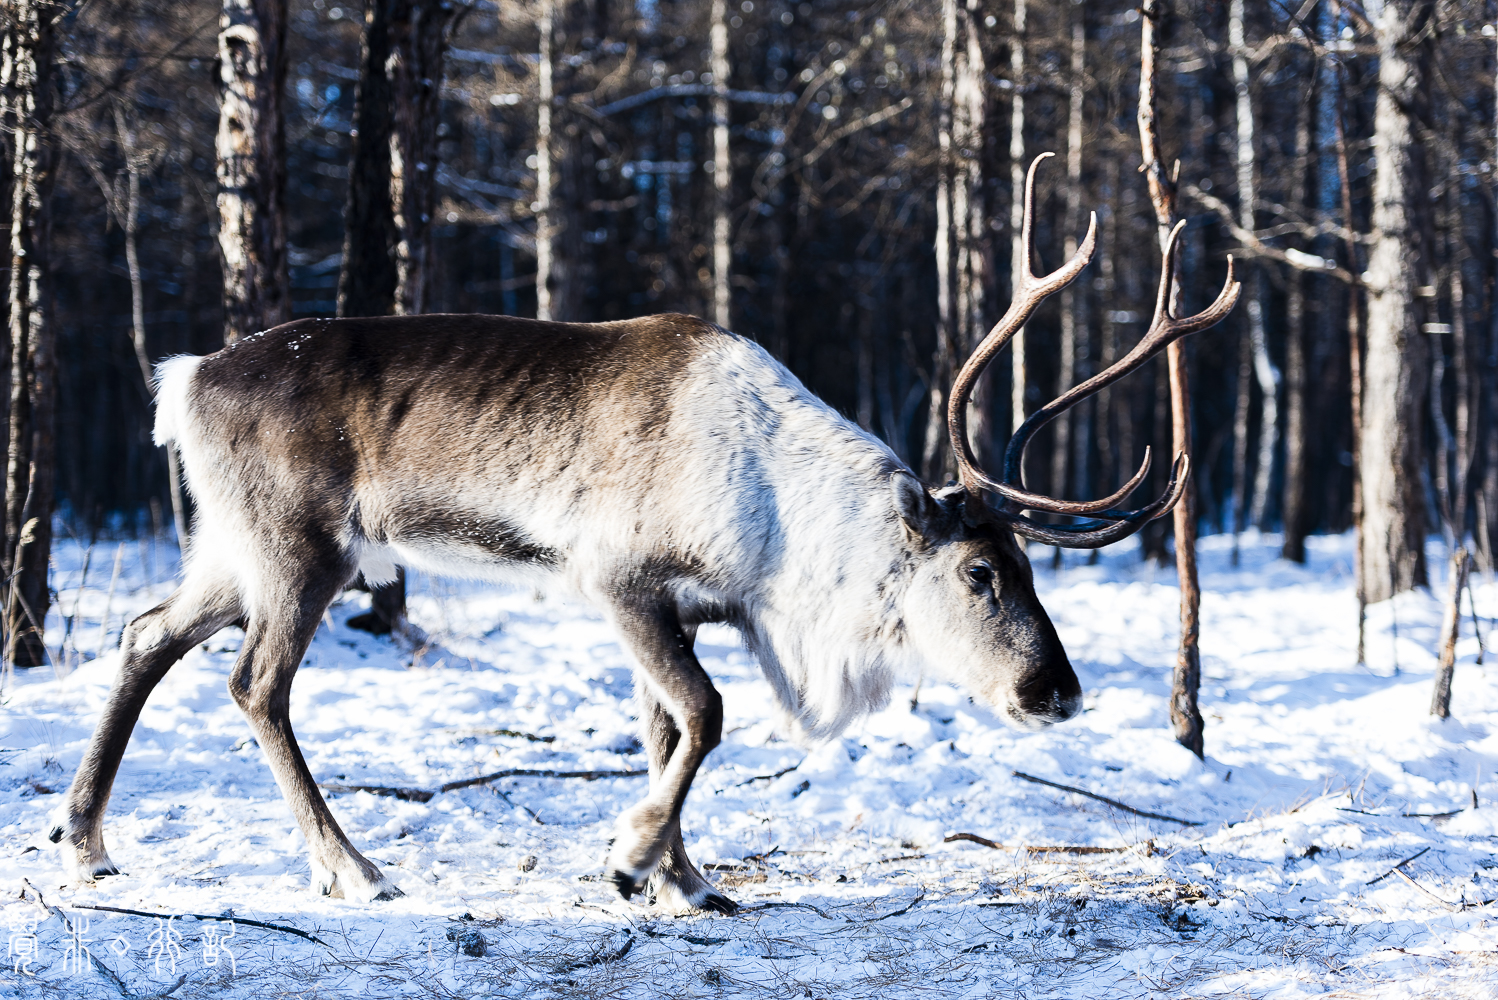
{"points": [[206, 602]]}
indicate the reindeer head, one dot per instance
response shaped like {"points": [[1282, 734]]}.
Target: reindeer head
{"points": [[971, 608]]}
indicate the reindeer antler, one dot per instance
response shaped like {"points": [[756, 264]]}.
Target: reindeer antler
{"points": [[1112, 523]]}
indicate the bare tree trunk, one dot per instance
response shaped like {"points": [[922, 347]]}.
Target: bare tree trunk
{"points": [[392, 193], [553, 268], [1394, 507], [1465, 445], [1069, 299], [366, 280], [252, 166], [1293, 491], [134, 162], [31, 456], [1355, 380], [1440, 702], [1019, 382], [722, 169], [1184, 714], [1244, 385], [960, 228], [369, 274], [418, 40]]}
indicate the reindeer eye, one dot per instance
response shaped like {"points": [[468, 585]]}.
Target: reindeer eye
{"points": [[980, 574]]}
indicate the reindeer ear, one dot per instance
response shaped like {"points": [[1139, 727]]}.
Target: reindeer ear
{"points": [[917, 509]]}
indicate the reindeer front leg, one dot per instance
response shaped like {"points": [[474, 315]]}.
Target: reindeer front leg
{"points": [[684, 723]]}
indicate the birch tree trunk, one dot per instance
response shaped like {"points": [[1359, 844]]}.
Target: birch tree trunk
{"points": [[1392, 557], [1020, 379], [550, 271], [251, 153], [1184, 714], [1247, 199], [960, 228], [722, 169], [1069, 299], [30, 44]]}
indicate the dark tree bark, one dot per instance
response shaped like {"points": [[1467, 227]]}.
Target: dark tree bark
{"points": [[252, 166], [418, 41], [387, 246], [28, 93], [1293, 497], [1394, 513], [366, 280]]}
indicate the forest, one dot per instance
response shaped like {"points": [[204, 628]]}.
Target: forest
{"points": [[838, 181], [1252, 799]]}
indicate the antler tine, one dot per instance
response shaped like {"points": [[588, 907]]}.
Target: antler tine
{"points": [[1096, 534], [1164, 329], [1030, 293]]}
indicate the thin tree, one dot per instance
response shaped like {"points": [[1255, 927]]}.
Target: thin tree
{"points": [[550, 270], [1020, 378], [722, 168], [366, 278], [252, 166], [1073, 219], [418, 42], [1185, 717], [1293, 491], [368, 275], [387, 265], [1247, 203], [28, 91], [960, 224], [1393, 536]]}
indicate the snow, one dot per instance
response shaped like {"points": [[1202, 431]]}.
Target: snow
{"points": [[1287, 888]]}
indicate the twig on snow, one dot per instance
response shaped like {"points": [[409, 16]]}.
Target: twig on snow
{"points": [[601, 959], [521, 772], [206, 916], [900, 912], [1396, 868], [1103, 798], [1417, 885], [768, 777], [423, 795], [776, 904], [405, 794], [1032, 848]]}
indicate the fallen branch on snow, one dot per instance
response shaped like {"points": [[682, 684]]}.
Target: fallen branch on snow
{"points": [[1033, 849], [423, 795], [207, 916], [1397, 867], [1103, 798], [405, 794], [520, 772]]}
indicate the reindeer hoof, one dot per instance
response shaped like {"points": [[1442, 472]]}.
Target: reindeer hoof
{"points": [[718, 903], [55, 834], [624, 882]]}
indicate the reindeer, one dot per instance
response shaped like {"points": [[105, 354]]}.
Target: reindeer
{"points": [[667, 471]]}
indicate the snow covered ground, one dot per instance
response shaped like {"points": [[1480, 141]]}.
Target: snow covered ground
{"points": [[1321, 777]]}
